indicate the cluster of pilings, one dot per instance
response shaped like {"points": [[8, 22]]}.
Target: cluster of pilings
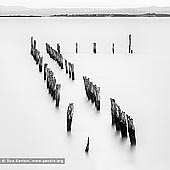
{"points": [[36, 54], [95, 48], [92, 92], [70, 69], [70, 111], [122, 122], [58, 57], [53, 88], [55, 55]]}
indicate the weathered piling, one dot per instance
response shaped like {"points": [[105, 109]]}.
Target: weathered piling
{"points": [[113, 48], [58, 47], [57, 94], [49, 81], [87, 146], [47, 77], [113, 110], [45, 71], [61, 62], [34, 44], [130, 43], [97, 102], [69, 69], [94, 48], [117, 118], [37, 56], [72, 72], [70, 111], [66, 66], [76, 47], [40, 64], [54, 85], [85, 85], [131, 131], [93, 96], [123, 125]]}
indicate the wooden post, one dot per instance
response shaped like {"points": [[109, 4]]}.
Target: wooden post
{"points": [[69, 69], [66, 66], [94, 48], [54, 85], [113, 48], [70, 111], [87, 146], [123, 126], [88, 88], [45, 71], [91, 91], [37, 56], [47, 77], [117, 118], [50, 81], [34, 44], [130, 43], [61, 61], [40, 64], [113, 110], [131, 131], [98, 98], [76, 47], [57, 94], [72, 71], [58, 47]]}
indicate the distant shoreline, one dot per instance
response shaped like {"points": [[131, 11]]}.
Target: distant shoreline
{"points": [[112, 15], [19, 16], [93, 15]]}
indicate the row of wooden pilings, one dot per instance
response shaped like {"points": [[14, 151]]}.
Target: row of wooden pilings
{"points": [[92, 92], [58, 57], [120, 120], [58, 52], [53, 87]]}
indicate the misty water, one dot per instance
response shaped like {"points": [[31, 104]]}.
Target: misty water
{"points": [[31, 126]]}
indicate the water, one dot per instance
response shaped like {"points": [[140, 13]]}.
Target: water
{"points": [[30, 125]]}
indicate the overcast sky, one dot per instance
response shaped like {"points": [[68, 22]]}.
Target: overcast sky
{"points": [[84, 3]]}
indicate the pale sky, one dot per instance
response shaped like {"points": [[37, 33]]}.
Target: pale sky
{"points": [[84, 3]]}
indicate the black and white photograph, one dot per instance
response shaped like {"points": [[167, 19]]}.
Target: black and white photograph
{"points": [[85, 85]]}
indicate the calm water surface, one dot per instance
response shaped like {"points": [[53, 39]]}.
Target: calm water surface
{"points": [[30, 125]]}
